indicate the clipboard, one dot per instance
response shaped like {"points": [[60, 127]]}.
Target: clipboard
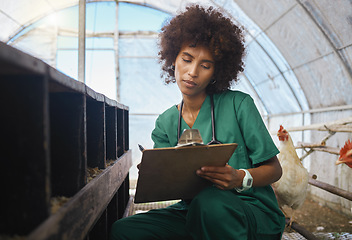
{"points": [[170, 173]]}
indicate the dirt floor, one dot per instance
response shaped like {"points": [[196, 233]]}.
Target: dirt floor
{"points": [[316, 218]]}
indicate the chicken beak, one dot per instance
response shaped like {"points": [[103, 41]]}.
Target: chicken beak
{"points": [[347, 158], [339, 161]]}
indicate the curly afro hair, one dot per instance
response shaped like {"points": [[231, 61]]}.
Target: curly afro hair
{"points": [[207, 27]]}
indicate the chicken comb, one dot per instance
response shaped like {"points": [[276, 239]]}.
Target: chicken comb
{"points": [[344, 149], [281, 128]]}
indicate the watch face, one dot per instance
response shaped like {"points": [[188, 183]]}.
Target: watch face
{"points": [[249, 182]]}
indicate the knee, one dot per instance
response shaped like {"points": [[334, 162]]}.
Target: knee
{"points": [[117, 230], [217, 203], [206, 198]]}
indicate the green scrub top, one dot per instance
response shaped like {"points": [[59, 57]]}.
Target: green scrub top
{"points": [[237, 120]]}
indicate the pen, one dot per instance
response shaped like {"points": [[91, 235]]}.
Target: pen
{"points": [[141, 148]]}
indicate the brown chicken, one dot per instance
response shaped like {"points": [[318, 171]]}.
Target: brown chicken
{"points": [[291, 189], [346, 154]]}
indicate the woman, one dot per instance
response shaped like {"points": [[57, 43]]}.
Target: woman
{"points": [[202, 52]]}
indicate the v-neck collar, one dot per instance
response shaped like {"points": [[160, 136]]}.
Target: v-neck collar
{"points": [[204, 110]]}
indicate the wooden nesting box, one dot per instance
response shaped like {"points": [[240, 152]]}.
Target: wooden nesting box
{"points": [[53, 130]]}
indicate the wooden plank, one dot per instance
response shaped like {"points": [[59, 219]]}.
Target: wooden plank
{"points": [[24, 159], [60, 82], [96, 143], [68, 143], [76, 217], [94, 95], [318, 147], [334, 126], [113, 103], [15, 62]]}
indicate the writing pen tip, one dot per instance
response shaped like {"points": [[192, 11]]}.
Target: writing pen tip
{"points": [[141, 148]]}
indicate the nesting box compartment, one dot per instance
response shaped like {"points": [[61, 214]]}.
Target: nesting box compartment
{"points": [[54, 129]]}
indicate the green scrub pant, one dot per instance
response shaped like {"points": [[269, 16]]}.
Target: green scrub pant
{"points": [[213, 214]]}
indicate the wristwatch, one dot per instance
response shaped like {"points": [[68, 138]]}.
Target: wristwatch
{"points": [[247, 181]]}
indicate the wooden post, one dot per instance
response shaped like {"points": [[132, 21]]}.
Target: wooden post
{"points": [[301, 230], [330, 188], [82, 41]]}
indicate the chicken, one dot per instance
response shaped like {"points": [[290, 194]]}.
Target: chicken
{"points": [[346, 154], [291, 189]]}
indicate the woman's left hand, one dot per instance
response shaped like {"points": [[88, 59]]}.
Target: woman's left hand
{"points": [[223, 177]]}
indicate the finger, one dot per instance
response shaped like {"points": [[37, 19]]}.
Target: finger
{"points": [[219, 176], [219, 184], [213, 169], [225, 169]]}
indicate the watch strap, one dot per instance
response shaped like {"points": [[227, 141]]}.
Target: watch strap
{"points": [[246, 182]]}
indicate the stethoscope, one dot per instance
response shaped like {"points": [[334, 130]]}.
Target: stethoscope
{"points": [[213, 139]]}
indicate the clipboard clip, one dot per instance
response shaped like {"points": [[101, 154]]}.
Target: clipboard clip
{"points": [[190, 137]]}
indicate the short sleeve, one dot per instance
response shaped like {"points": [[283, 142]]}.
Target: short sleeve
{"points": [[258, 141], [159, 135]]}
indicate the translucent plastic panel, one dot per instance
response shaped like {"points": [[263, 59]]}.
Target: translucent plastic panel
{"points": [[277, 96], [236, 13], [7, 28], [259, 66], [100, 43], [100, 72], [284, 68], [296, 88], [64, 42], [68, 18], [67, 42], [141, 127], [129, 47], [39, 42], [273, 52], [66, 62], [138, 18], [100, 17], [142, 89]]}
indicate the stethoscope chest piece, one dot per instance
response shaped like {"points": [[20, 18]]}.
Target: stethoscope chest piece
{"points": [[213, 140]]}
